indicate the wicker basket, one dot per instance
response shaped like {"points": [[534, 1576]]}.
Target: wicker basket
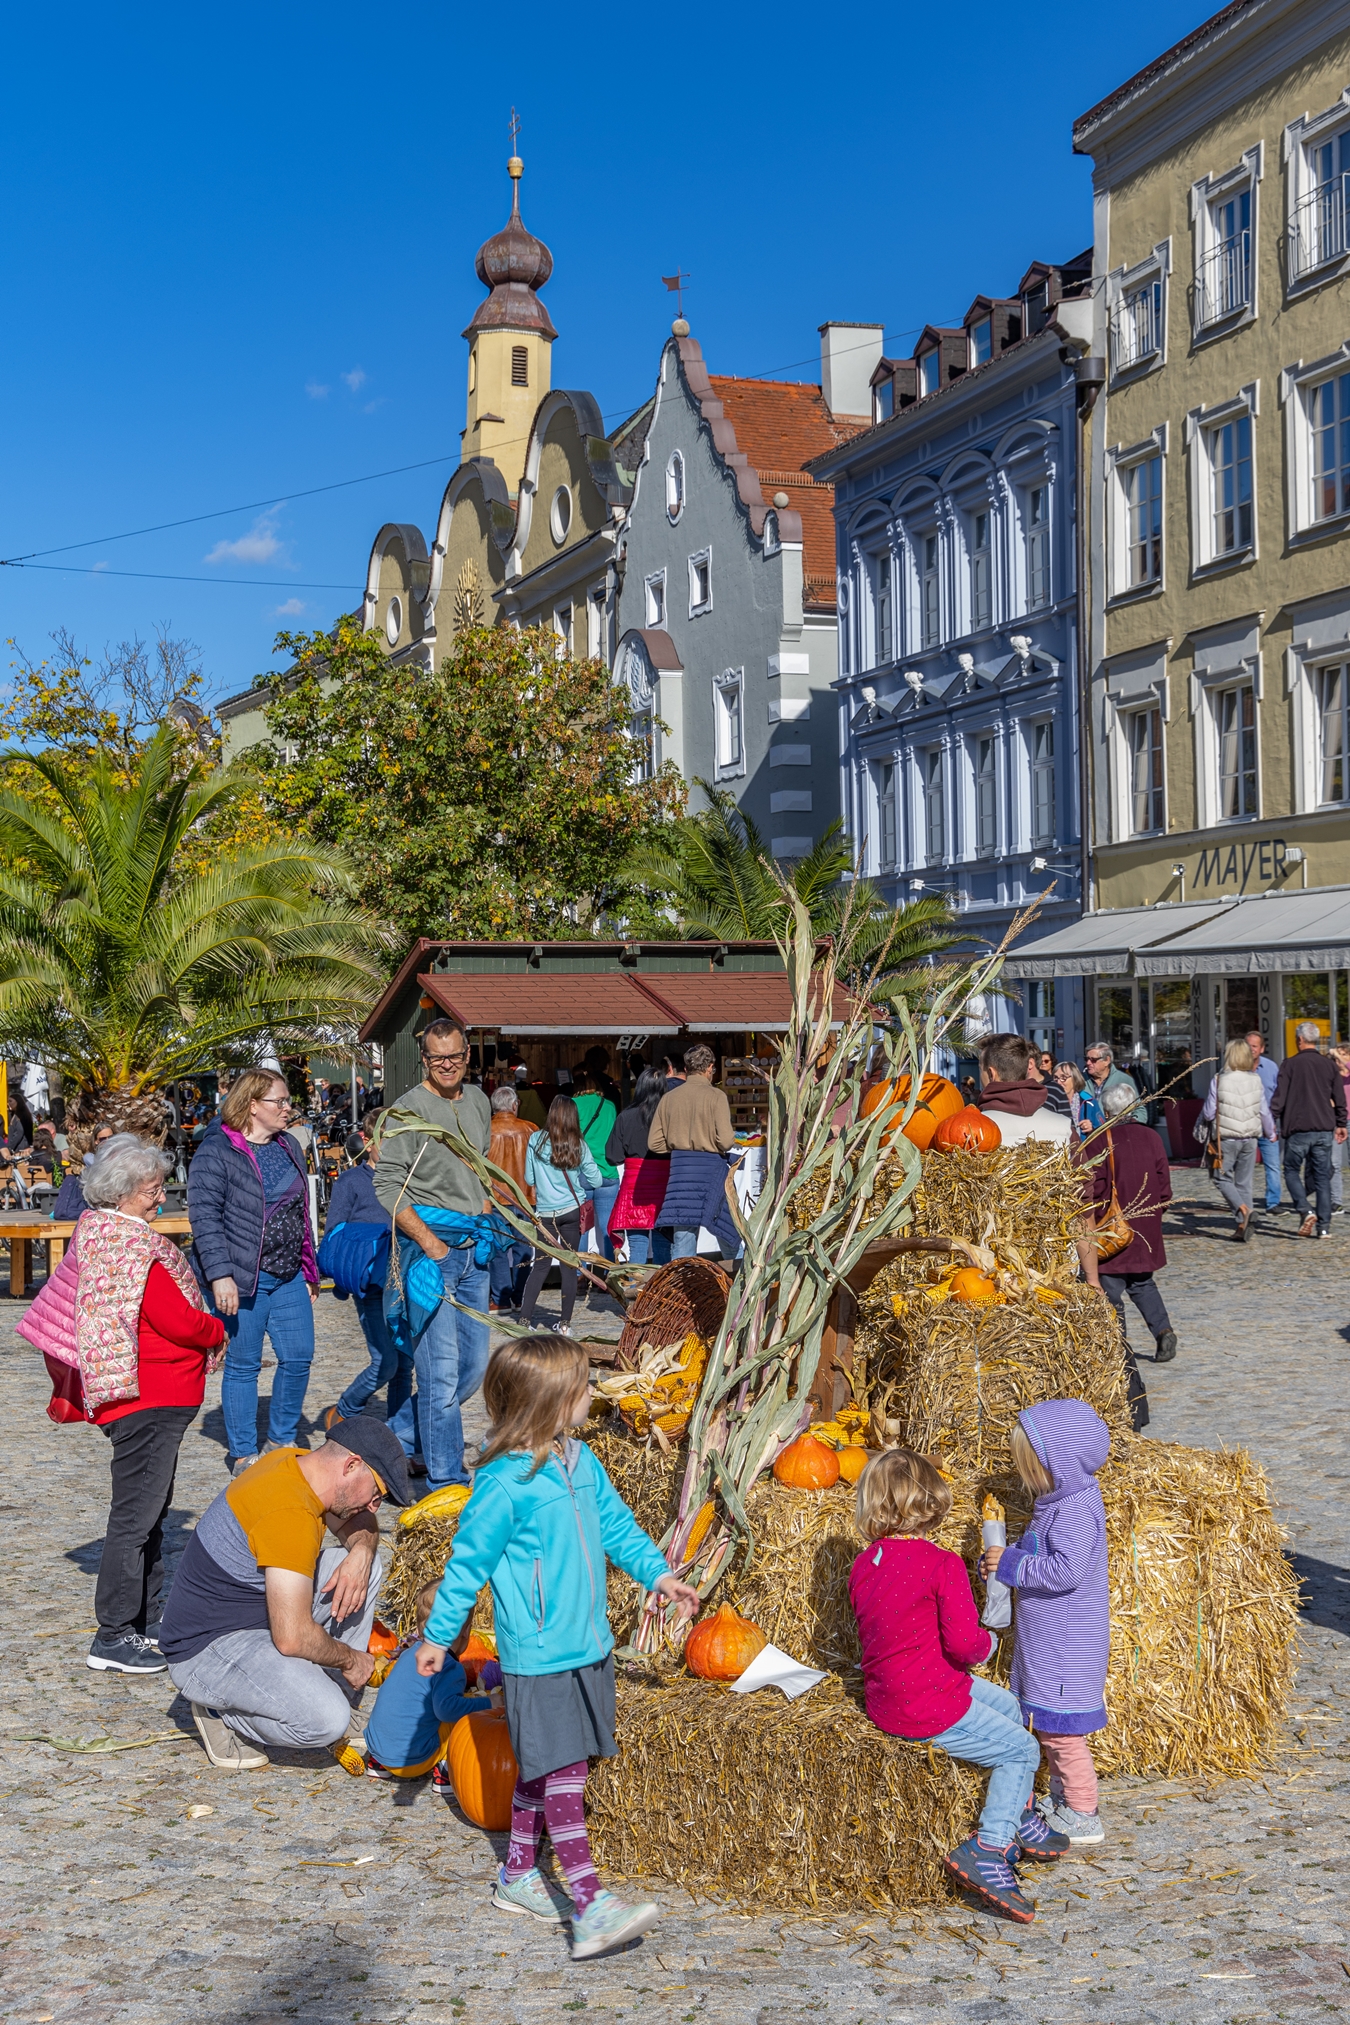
{"points": [[686, 1294]]}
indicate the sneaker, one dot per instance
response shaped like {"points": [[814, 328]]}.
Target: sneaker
{"points": [[128, 1653], [1308, 1227], [375, 1770], [224, 1746], [989, 1874], [1166, 1347], [242, 1463], [1081, 1829], [441, 1782], [608, 1923], [562, 1328], [1037, 1839], [1324, 1233], [533, 1896]]}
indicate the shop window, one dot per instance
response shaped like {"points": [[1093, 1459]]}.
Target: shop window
{"points": [[1115, 1019], [1172, 1039]]}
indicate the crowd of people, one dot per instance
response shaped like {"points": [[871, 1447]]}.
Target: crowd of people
{"points": [[266, 1629]]}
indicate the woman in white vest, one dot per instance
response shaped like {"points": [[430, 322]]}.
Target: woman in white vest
{"points": [[1237, 1101]]}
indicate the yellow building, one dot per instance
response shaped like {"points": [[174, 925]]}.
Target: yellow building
{"points": [[1217, 772]]}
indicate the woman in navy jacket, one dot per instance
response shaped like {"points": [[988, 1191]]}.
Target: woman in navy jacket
{"points": [[248, 1201]]}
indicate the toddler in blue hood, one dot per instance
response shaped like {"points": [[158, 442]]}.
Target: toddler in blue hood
{"points": [[1062, 1631]]}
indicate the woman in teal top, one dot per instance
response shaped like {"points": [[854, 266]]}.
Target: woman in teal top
{"points": [[560, 1169], [597, 1116]]}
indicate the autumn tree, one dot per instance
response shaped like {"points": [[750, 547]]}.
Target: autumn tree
{"points": [[493, 797]]}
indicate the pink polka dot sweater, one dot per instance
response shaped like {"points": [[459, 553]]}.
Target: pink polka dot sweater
{"points": [[921, 1635]]}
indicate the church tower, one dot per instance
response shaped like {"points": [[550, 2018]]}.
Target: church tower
{"points": [[510, 343]]}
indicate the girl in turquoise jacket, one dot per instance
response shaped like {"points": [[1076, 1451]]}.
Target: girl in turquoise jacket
{"points": [[542, 1520]]}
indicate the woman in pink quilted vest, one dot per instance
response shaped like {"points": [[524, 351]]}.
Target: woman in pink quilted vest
{"points": [[124, 1316]]}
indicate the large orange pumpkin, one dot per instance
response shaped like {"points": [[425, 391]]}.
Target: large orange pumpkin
{"points": [[969, 1129], [483, 1767], [852, 1463], [807, 1465], [938, 1099], [970, 1284], [722, 1647]]}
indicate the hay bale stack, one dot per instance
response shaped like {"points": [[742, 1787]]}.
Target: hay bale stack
{"points": [[1024, 1199], [790, 1804]]}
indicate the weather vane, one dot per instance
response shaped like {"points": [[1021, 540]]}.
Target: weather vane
{"points": [[513, 128], [677, 283]]}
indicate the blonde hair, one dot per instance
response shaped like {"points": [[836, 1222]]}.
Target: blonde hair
{"points": [[426, 1600], [1028, 1464], [247, 1090], [1237, 1055], [901, 1492], [527, 1388]]}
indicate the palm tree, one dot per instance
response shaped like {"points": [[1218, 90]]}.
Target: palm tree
{"points": [[714, 872], [129, 956]]}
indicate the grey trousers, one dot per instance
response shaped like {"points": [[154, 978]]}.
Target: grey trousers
{"points": [[270, 1698], [1234, 1183]]}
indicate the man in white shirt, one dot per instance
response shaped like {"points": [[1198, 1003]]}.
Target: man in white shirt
{"points": [[1013, 1099]]}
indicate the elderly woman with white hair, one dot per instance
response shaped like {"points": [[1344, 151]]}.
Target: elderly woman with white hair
{"points": [[142, 1343]]}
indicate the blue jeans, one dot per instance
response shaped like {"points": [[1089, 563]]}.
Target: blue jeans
{"points": [[604, 1199], [1315, 1149], [992, 1732], [451, 1357], [1270, 1171], [282, 1311], [506, 1272], [386, 1367], [647, 1244], [683, 1244]]}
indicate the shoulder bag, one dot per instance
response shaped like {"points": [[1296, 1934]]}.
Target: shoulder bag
{"points": [[1112, 1233], [587, 1207]]}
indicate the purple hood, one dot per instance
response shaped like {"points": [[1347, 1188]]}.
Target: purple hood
{"points": [[1071, 1440]]}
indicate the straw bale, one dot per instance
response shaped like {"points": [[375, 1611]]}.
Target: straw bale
{"points": [[790, 1804], [420, 1555], [1026, 1199]]}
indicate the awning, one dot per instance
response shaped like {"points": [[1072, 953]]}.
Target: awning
{"points": [[600, 1002], [1253, 934]]}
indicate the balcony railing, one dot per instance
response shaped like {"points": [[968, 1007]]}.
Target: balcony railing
{"points": [[1223, 282], [1317, 232], [1136, 327]]}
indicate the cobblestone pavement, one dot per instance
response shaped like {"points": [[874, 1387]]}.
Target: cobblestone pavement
{"points": [[300, 1893]]}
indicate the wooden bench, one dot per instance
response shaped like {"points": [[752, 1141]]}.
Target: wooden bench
{"points": [[24, 1228]]}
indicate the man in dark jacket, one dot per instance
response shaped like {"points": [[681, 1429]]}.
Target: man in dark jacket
{"points": [[1309, 1110]]}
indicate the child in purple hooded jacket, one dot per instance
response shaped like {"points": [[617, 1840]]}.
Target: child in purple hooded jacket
{"points": [[1062, 1631]]}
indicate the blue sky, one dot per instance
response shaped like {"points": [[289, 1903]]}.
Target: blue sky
{"points": [[240, 250]]}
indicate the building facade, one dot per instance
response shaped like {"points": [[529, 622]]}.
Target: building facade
{"points": [[726, 610], [1219, 709], [956, 535]]}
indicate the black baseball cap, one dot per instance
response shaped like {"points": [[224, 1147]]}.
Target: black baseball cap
{"points": [[380, 1449]]}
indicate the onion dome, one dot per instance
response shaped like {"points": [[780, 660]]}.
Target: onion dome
{"points": [[513, 264]]}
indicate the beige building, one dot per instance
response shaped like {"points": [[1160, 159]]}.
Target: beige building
{"points": [[1218, 666]]}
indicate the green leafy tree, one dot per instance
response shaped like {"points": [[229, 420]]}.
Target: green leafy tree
{"points": [[124, 963], [492, 797]]}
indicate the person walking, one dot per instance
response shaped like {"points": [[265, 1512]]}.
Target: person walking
{"points": [[1236, 1103], [597, 1114], [248, 1203], [1133, 1162], [561, 1171], [142, 1344], [692, 1124], [1271, 1161], [1309, 1103], [511, 1136], [1070, 1079], [437, 1203], [637, 1207], [1103, 1075]]}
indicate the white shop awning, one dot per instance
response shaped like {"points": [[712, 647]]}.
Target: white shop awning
{"points": [[1258, 934]]}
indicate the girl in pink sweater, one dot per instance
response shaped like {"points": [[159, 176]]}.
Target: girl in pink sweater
{"points": [[921, 1635]]}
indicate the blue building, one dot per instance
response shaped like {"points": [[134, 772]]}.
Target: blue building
{"points": [[956, 541]]}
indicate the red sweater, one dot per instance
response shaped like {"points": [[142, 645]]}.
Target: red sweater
{"points": [[173, 1340], [920, 1633]]}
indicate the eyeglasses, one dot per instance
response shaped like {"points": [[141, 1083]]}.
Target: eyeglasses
{"points": [[284, 1102], [444, 1061]]}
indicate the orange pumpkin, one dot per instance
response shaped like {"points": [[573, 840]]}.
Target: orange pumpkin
{"points": [[483, 1767], [382, 1639], [969, 1129], [970, 1284], [938, 1099], [723, 1645], [852, 1463], [474, 1657], [807, 1465]]}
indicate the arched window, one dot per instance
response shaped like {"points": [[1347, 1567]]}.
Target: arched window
{"points": [[675, 486]]}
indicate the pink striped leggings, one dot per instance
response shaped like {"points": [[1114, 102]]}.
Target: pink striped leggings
{"points": [[557, 1801], [1070, 1761]]}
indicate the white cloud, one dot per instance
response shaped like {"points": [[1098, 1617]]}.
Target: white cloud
{"points": [[354, 379], [291, 609], [316, 391], [259, 545], [101, 566]]}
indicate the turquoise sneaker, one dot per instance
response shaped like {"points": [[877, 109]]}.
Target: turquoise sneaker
{"points": [[531, 1895], [608, 1923]]}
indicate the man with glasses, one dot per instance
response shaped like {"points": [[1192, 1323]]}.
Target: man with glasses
{"points": [[1103, 1075], [266, 1628], [420, 1172]]}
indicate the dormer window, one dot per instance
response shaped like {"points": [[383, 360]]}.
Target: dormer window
{"points": [[981, 336], [930, 372], [883, 400], [1037, 305]]}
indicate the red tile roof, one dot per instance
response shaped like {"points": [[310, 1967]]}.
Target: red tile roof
{"points": [[779, 424], [601, 1002]]}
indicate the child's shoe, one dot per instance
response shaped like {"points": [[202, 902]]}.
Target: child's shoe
{"points": [[989, 1874], [375, 1770], [1037, 1839], [441, 1782], [608, 1923], [1082, 1830], [533, 1896]]}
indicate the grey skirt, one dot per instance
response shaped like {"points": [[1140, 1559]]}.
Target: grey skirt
{"points": [[558, 1719]]}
